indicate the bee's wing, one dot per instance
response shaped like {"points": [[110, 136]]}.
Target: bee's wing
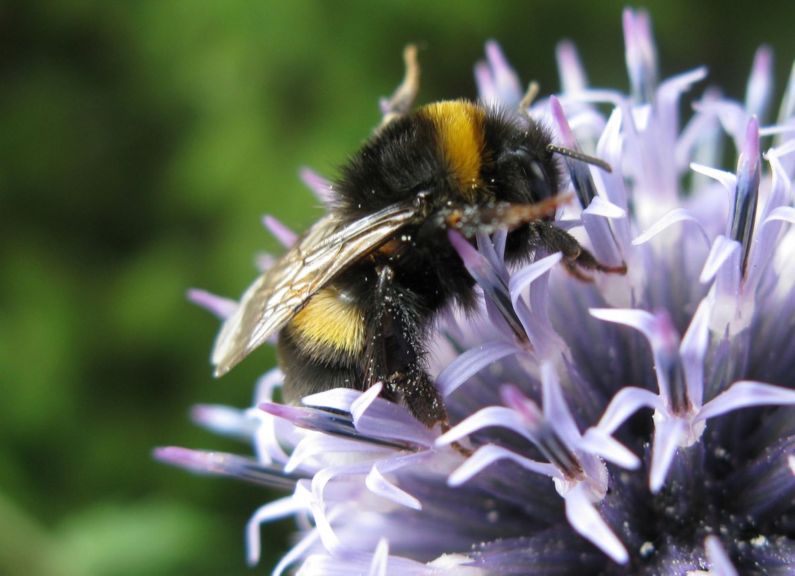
{"points": [[325, 250]]}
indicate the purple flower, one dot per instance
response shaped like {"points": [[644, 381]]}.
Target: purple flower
{"points": [[638, 424]]}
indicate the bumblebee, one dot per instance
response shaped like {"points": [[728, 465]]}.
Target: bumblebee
{"points": [[354, 299]]}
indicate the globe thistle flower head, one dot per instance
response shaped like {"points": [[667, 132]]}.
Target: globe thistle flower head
{"points": [[600, 424]]}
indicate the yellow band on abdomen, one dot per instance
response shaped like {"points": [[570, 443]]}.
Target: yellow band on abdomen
{"points": [[329, 325]]}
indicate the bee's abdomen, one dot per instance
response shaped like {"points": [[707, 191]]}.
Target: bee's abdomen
{"points": [[321, 345]]}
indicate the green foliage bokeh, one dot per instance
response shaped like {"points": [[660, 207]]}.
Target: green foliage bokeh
{"points": [[141, 141]]}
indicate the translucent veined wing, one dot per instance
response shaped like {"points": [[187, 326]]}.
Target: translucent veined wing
{"points": [[327, 248]]}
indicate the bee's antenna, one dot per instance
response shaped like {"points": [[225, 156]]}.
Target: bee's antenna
{"points": [[577, 155]]}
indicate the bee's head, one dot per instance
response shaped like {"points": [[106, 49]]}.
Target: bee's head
{"points": [[526, 170]]}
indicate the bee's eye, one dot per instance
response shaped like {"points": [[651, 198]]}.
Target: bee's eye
{"points": [[538, 171], [518, 155]]}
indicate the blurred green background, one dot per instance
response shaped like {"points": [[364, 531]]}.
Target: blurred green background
{"points": [[141, 141]]}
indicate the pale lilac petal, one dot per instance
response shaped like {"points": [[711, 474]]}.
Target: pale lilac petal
{"points": [[487, 90], [721, 564], [498, 240], [479, 266], [320, 187], [282, 233], [610, 148], [196, 460], [700, 141], [597, 442], [506, 81], [723, 249], [317, 448], [471, 362], [777, 130], [297, 552], [267, 384], [624, 404], [487, 455], [667, 116], [556, 410], [492, 253], [490, 416], [564, 131], [781, 214], [597, 221], [760, 83], [370, 413], [734, 118], [267, 444], [726, 179], [532, 416], [747, 192], [766, 242], [488, 269], [693, 349], [221, 307], [336, 398], [264, 262], [669, 433], [605, 209], [378, 484], [641, 55], [475, 262], [584, 518], [530, 274], [787, 109], [365, 400], [669, 219], [746, 394], [389, 421], [225, 464], [309, 418], [579, 172], [324, 512], [380, 559], [572, 74], [271, 511], [225, 421], [781, 185], [349, 564], [640, 320]]}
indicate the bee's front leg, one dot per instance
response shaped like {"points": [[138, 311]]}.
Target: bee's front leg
{"points": [[575, 257]]}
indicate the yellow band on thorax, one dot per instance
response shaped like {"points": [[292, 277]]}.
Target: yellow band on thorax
{"points": [[459, 128]]}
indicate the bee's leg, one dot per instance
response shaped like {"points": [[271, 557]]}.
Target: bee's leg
{"points": [[575, 257], [395, 351], [528, 98], [402, 99], [469, 220]]}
